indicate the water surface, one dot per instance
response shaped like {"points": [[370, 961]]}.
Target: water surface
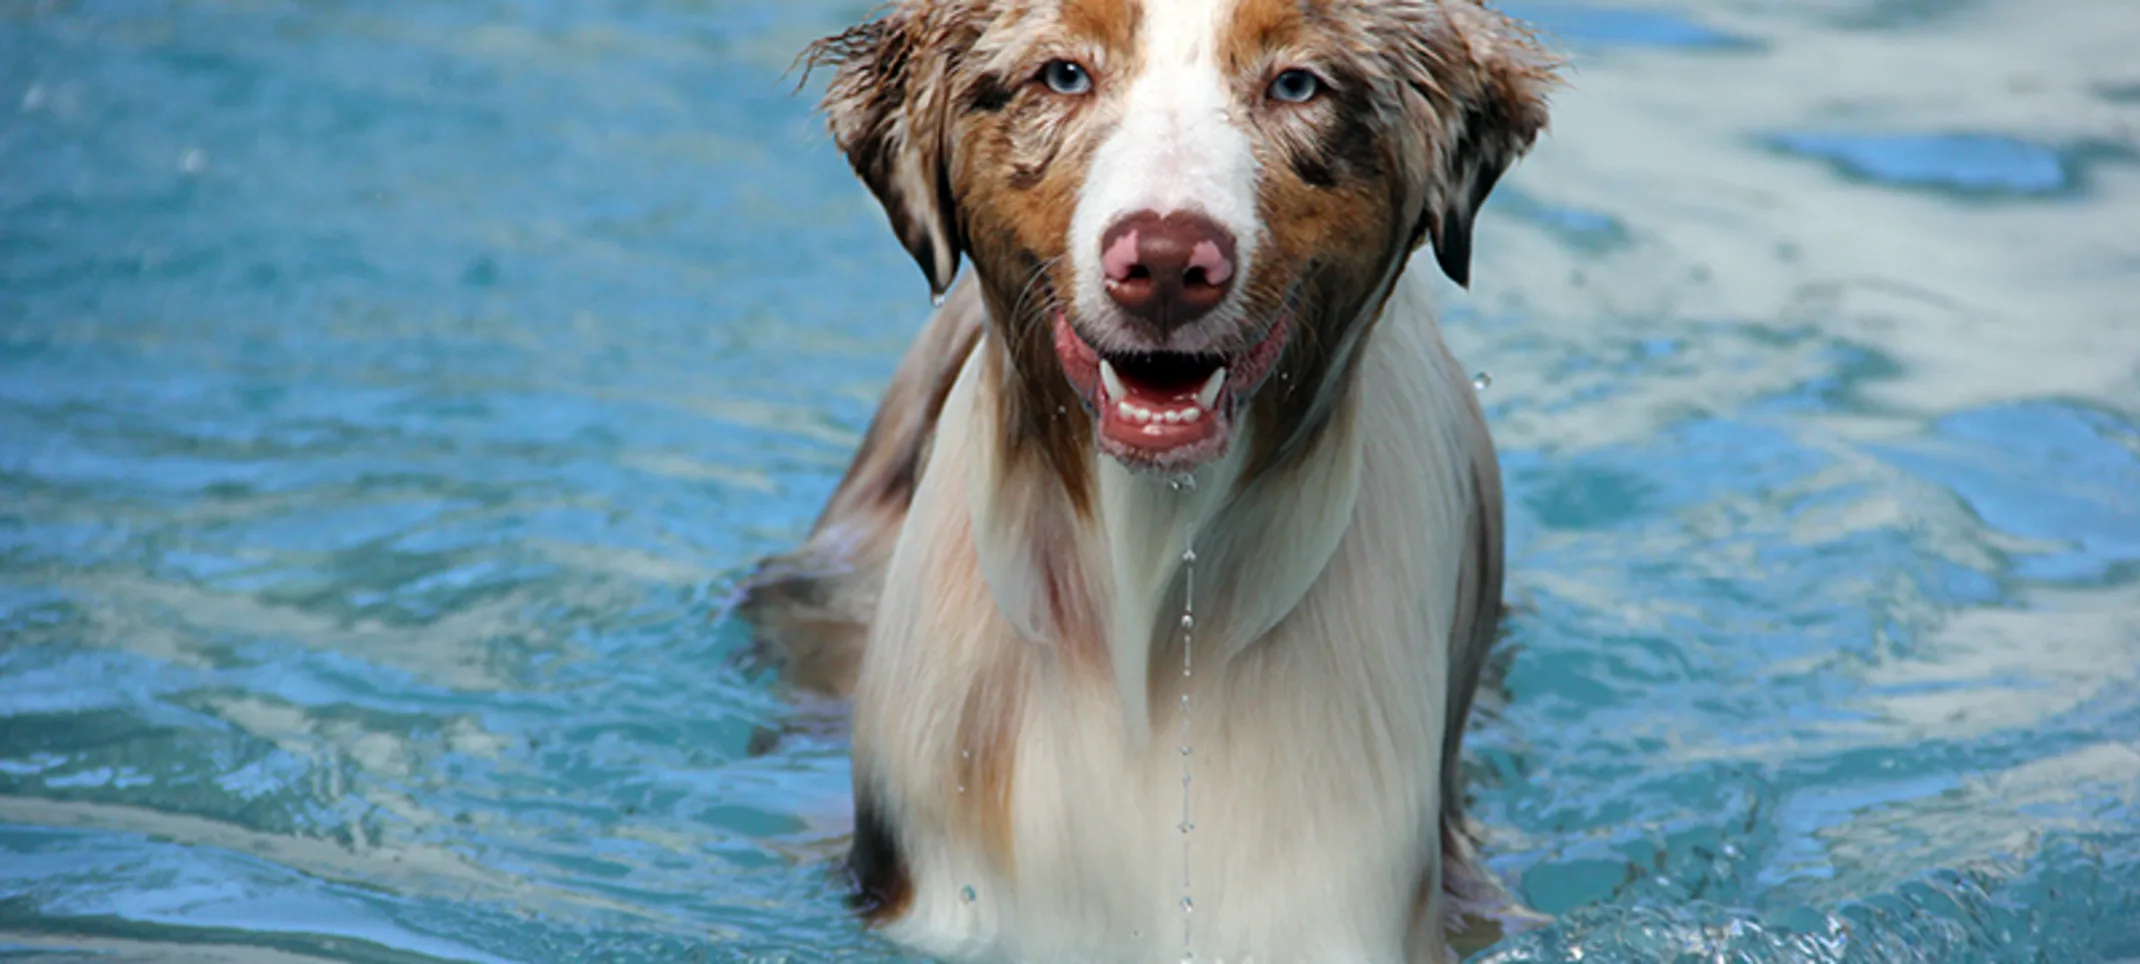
{"points": [[388, 400]]}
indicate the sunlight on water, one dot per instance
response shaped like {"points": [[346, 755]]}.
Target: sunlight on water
{"points": [[387, 400]]}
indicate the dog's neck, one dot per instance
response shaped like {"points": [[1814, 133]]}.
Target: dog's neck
{"points": [[1107, 585]]}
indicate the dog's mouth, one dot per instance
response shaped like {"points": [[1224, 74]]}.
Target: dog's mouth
{"points": [[1165, 410]]}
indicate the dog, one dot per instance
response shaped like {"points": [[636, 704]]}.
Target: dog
{"points": [[1164, 575]]}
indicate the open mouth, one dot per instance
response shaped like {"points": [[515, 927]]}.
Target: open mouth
{"points": [[1165, 410]]}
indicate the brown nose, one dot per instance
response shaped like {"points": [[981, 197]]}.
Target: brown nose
{"points": [[1168, 270]]}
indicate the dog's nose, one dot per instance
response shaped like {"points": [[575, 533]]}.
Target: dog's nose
{"points": [[1167, 270]]}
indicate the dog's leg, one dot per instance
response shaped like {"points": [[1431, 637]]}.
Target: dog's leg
{"points": [[1477, 910], [809, 609]]}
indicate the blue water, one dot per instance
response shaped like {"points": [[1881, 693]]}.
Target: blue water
{"points": [[1598, 25], [389, 399], [1968, 163]]}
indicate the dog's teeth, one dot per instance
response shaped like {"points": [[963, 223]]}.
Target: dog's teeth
{"points": [[1191, 415], [1208, 395], [1126, 410], [1173, 418], [1111, 380], [1141, 414]]}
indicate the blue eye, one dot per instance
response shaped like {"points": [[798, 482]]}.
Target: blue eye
{"points": [[1066, 78], [1295, 86]]}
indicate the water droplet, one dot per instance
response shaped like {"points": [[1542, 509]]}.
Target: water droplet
{"points": [[962, 788], [966, 754], [1137, 934], [193, 161], [968, 895], [35, 97], [1188, 906], [1482, 381], [937, 299], [1188, 623]]}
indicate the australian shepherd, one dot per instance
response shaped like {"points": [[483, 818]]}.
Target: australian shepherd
{"points": [[1164, 576]]}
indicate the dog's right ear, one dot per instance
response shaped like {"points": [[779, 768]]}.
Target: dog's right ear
{"points": [[1478, 82], [887, 107]]}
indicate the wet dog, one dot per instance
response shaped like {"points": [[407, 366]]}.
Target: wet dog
{"points": [[1163, 578]]}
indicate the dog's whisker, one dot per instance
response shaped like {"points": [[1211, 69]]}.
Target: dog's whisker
{"points": [[1035, 281]]}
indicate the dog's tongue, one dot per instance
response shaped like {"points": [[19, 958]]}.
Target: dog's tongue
{"points": [[1157, 418]]}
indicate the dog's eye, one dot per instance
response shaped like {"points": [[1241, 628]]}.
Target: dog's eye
{"points": [[1295, 86], [1067, 78]]}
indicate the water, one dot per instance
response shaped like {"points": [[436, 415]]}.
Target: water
{"points": [[387, 402], [1959, 162], [1188, 744]]}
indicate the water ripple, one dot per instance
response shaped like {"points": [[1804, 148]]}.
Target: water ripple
{"points": [[387, 402]]}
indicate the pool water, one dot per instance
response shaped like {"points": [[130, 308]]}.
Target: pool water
{"points": [[390, 395]]}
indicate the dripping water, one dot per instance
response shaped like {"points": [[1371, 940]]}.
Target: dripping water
{"points": [[936, 300], [1482, 381], [1188, 634]]}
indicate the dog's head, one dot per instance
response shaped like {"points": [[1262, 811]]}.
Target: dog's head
{"points": [[1183, 213]]}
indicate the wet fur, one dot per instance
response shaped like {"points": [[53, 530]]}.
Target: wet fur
{"points": [[1001, 599]]}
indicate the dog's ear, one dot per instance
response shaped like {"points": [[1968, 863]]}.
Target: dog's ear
{"points": [[887, 107], [1483, 82]]}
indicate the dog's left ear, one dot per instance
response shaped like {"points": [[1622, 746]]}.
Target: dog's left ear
{"points": [[1483, 80], [887, 109]]}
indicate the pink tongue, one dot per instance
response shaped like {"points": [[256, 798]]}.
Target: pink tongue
{"points": [[1159, 401]]}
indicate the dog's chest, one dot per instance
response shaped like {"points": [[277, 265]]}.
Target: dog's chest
{"points": [[1286, 840]]}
